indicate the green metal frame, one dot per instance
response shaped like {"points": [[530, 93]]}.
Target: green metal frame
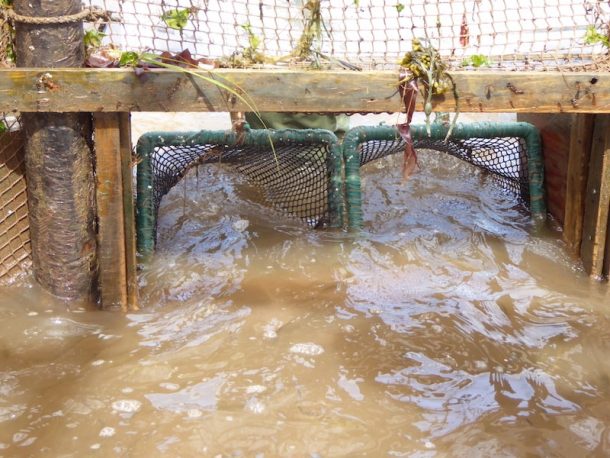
{"points": [[344, 185], [528, 132], [146, 218]]}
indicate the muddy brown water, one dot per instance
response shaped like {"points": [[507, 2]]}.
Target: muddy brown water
{"points": [[447, 328]]}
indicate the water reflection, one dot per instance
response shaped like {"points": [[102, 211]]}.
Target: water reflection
{"points": [[446, 328]]}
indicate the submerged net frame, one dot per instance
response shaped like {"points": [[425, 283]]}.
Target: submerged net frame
{"points": [[482, 144], [308, 174], [299, 171]]}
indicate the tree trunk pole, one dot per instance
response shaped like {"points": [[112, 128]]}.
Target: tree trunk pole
{"points": [[59, 160]]}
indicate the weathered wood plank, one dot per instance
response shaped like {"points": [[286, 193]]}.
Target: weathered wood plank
{"points": [[606, 269], [597, 203], [96, 90], [111, 224], [581, 133], [555, 132], [128, 211]]}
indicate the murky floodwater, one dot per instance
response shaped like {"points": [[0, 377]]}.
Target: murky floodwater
{"points": [[447, 328]]}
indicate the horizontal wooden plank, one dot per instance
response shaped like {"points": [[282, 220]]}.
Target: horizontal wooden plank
{"points": [[68, 90]]}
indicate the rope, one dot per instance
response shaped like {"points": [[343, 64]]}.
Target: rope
{"points": [[91, 14]]}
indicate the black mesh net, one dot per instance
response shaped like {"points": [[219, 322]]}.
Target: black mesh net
{"points": [[505, 158], [293, 178]]}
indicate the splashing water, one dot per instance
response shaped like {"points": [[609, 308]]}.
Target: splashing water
{"points": [[446, 328]]}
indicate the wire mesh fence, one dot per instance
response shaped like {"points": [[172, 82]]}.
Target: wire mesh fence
{"points": [[15, 253], [512, 34]]}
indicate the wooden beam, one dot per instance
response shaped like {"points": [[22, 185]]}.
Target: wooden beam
{"points": [[111, 224], [128, 211], [555, 135], [581, 133], [606, 268], [597, 203], [97, 90]]}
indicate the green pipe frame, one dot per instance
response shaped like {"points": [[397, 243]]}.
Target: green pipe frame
{"points": [[145, 214], [528, 132]]}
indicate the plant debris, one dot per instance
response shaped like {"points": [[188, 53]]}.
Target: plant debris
{"points": [[422, 70]]}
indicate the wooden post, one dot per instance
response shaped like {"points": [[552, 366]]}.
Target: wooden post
{"points": [[606, 269], [554, 131], [59, 164], [116, 234], [597, 201], [581, 134], [128, 210]]}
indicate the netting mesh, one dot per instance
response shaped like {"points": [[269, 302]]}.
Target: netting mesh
{"points": [[511, 152], [505, 158], [311, 181], [370, 33], [298, 171], [293, 178], [15, 252]]}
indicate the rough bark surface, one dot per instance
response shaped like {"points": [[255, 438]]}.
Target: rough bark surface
{"points": [[59, 160]]}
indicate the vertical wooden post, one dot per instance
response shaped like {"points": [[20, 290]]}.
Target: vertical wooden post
{"points": [[597, 201], [116, 234], [581, 134], [129, 211], [554, 130], [59, 163], [606, 268]]}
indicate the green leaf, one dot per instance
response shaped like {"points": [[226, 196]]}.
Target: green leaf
{"points": [[176, 19], [592, 37], [399, 7], [3, 127], [356, 3], [253, 40], [476, 60], [129, 59], [93, 38], [6, 2], [479, 60], [10, 52]]}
